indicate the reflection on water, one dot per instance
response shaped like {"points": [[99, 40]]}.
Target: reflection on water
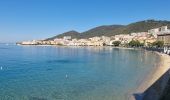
{"points": [[93, 73]]}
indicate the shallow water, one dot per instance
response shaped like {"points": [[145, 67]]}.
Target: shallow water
{"points": [[71, 73]]}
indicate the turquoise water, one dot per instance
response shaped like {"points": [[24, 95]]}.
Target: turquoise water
{"points": [[71, 73]]}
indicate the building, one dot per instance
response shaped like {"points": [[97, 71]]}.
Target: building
{"points": [[95, 39], [164, 28], [165, 38], [106, 40], [153, 31], [160, 30], [164, 35], [67, 37], [149, 41], [124, 38]]}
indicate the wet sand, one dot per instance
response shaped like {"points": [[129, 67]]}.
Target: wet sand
{"points": [[153, 76]]}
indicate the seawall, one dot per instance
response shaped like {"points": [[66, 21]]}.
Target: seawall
{"points": [[154, 85], [155, 91]]}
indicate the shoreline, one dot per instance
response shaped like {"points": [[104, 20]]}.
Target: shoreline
{"points": [[160, 69], [118, 47]]}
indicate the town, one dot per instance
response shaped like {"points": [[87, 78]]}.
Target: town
{"points": [[153, 36]]}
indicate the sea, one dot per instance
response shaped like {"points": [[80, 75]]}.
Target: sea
{"points": [[72, 73]]}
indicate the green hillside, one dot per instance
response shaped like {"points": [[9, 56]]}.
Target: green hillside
{"points": [[72, 33], [144, 26], [106, 30], [110, 30]]}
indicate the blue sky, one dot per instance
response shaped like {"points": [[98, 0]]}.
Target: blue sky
{"points": [[39, 19]]}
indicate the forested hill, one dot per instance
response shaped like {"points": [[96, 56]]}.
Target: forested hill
{"points": [[110, 30]]}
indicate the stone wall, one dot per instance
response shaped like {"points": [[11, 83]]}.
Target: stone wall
{"points": [[155, 91]]}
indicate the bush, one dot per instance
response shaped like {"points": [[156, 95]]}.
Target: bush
{"points": [[135, 43], [158, 44], [116, 43], [59, 44]]}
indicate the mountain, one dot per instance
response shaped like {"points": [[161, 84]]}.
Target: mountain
{"points": [[73, 34], [144, 26], [110, 30], [106, 30]]}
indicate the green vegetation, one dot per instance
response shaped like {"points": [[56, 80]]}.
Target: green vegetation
{"points": [[104, 44], [110, 30], [135, 43], [73, 34], [158, 44], [144, 26], [116, 43], [59, 44], [107, 30]]}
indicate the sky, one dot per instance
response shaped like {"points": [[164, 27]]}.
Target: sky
{"points": [[39, 19]]}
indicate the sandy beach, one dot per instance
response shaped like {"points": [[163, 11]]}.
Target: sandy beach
{"points": [[154, 75]]}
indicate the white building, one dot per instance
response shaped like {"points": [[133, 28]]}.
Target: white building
{"points": [[118, 37], [153, 31], [160, 30], [106, 40], [124, 38], [95, 39], [67, 37]]}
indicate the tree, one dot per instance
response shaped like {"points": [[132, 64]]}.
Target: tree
{"points": [[135, 43], [158, 44], [104, 44], [116, 43]]}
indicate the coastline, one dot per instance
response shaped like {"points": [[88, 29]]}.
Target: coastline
{"points": [[162, 67]]}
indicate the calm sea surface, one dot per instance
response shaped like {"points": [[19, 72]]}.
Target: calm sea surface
{"points": [[71, 73]]}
